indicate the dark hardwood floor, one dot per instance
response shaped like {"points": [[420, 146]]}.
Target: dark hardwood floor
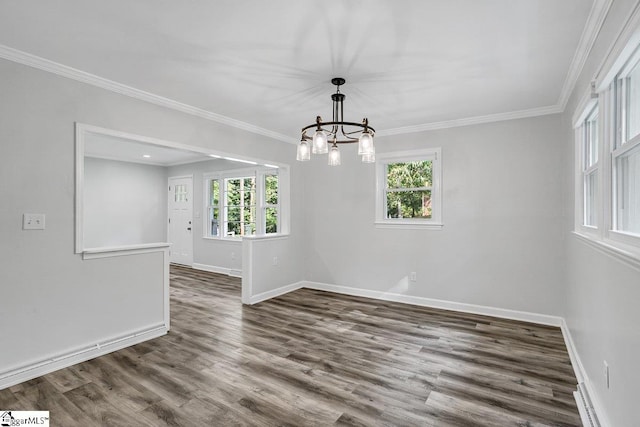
{"points": [[314, 358]]}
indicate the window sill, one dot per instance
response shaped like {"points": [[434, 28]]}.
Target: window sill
{"points": [[626, 254], [224, 239], [113, 251], [409, 225], [238, 239], [268, 237]]}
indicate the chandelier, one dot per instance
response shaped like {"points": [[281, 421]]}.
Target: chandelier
{"points": [[337, 131]]}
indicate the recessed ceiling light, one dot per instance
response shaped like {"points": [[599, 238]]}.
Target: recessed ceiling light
{"points": [[146, 156], [214, 156]]}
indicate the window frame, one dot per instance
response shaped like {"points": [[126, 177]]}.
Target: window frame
{"points": [[621, 143], [259, 174], [208, 206], [609, 95], [382, 160], [585, 169], [621, 94], [263, 205], [240, 206]]}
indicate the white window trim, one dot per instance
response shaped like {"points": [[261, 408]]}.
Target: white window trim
{"points": [[225, 208], [620, 145], [263, 205], [581, 172], [259, 173], [624, 246], [434, 154], [629, 66]]}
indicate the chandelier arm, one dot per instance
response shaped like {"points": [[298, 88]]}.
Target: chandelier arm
{"points": [[346, 141], [355, 124], [337, 125], [358, 131]]}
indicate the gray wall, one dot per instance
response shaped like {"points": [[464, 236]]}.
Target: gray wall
{"points": [[124, 203], [52, 300], [602, 292], [501, 244]]}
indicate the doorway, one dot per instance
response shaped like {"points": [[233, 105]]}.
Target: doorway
{"points": [[180, 212]]}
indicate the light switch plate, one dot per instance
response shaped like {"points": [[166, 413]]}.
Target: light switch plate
{"points": [[33, 221]]}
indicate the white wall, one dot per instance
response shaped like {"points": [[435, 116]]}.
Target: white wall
{"points": [[124, 203], [501, 244], [53, 301], [602, 292], [271, 269]]}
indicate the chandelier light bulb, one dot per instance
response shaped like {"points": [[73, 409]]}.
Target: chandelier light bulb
{"points": [[303, 151], [319, 142], [365, 143], [369, 157], [334, 156]]}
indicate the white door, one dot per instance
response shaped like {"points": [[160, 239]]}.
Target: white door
{"points": [[180, 232]]}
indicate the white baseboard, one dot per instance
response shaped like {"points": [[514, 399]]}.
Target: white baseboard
{"points": [[254, 299], [215, 269], [235, 273], [582, 377], [63, 360], [524, 316]]}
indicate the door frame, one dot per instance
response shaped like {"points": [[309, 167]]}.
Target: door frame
{"points": [[169, 210]]}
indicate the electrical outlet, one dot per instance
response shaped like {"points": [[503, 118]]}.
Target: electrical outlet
{"points": [[33, 221], [606, 374], [413, 276], [275, 260], [233, 255]]}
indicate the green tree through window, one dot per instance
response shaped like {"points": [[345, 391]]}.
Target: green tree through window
{"points": [[240, 204], [243, 204], [408, 189], [271, 203]]}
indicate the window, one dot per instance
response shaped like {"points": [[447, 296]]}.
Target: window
{"points": [[239, 206], [244, 203], [213, 223], [608, 158], [590, 164], [409, 189], [626, 150], [271, 206]]}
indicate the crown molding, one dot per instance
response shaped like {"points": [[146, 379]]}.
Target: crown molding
{"points": [[34, 61], [490, 118], [590, 33], [592, 28]]}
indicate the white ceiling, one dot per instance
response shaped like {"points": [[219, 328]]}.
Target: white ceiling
{"points": [[408, 63]]}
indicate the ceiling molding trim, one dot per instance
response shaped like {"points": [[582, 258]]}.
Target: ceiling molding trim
{"points": [[590, 33], [34, 61], [521, 114], [117, 159]]}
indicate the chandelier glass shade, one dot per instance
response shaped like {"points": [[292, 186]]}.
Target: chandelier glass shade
{"points": [[335, 132]]}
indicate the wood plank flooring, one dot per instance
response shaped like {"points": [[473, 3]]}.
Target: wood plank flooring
{"points": [[314, 358]]}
